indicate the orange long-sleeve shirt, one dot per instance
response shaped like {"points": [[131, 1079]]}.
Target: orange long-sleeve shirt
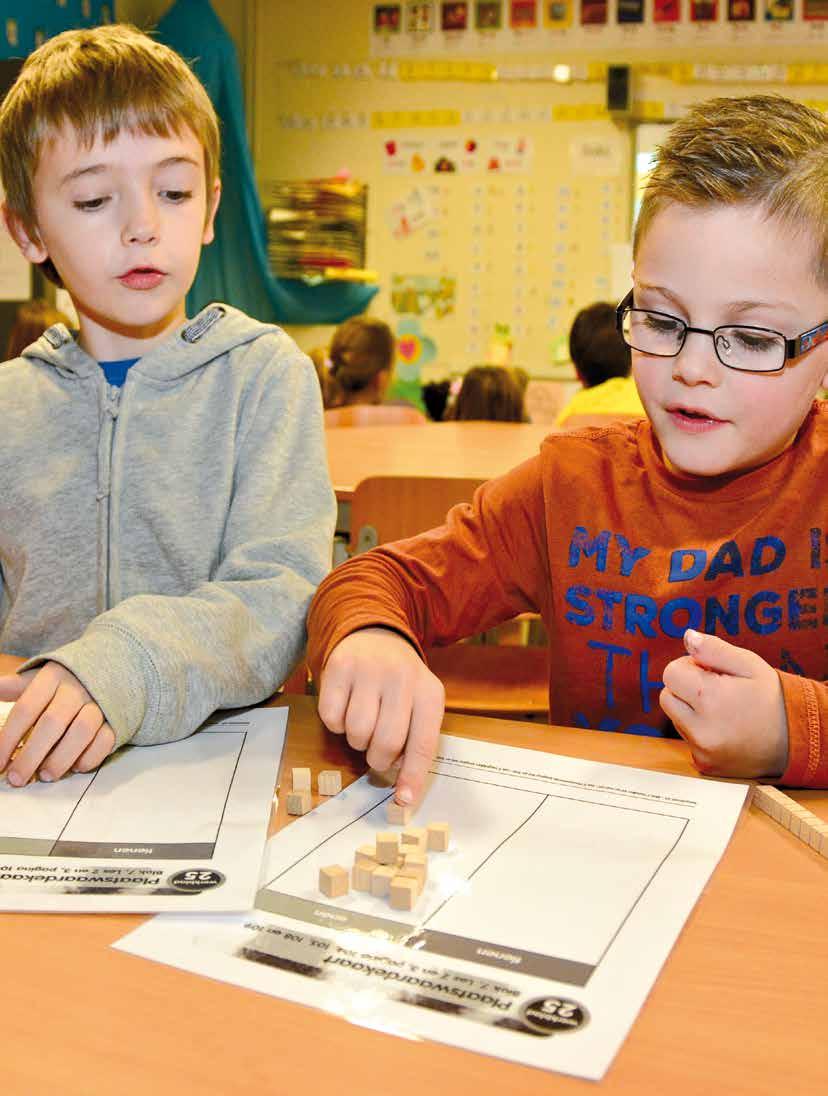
{"points": [[620, 555]]}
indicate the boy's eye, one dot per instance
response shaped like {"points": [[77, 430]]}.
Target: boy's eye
{"points": [[661, 323], [753, 340], [89, 205], [177, 195]]}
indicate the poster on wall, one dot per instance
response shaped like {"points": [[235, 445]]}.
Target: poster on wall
{"points": [[666, 11], [593, 12], [741, 11], [419, 18], [488, 16], [704, 11], [778, 11], [630, 11], [454, 16], [815, 10], [420, 294], [557, 14], [523, 14], [387, 18]]}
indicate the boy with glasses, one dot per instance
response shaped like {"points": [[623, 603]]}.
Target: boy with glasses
{"points": [[705, 525]]}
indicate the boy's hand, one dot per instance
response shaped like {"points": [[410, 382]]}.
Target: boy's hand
{"points": [[65, 727], [378, 692], [727, 703]]}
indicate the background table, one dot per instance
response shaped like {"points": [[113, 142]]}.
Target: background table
{"points": [[739, 1008], [477, 449]]}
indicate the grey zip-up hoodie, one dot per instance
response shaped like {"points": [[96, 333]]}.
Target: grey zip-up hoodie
{"points": [[162, 541]]}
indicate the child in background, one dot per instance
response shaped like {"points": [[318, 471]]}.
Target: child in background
{"points": [[32, 319], [361, 358], [490, 392], [603, 363], [703, 526], [165, 509]]}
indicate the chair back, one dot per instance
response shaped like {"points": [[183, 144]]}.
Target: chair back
{"points": [[374, 414], [387, 508]]}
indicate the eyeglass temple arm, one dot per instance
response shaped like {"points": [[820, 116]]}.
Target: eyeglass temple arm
{"points": [[807, 341]]}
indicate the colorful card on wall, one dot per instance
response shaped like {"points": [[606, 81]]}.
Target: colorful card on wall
{"points": [[418, 294], [405, 155], [409, 214], [454, 16], [488, 15], [666, 11], [814, 10], [593, 12], [630, 11], [557, 13], [778, 11], [523, 14], [704, 11], [419, 18], [387, 18], [741, 11]]}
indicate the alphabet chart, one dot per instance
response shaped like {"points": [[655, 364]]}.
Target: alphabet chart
{"points": [[539, 932], [180, 826]]}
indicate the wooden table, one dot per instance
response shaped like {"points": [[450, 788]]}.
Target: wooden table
{"points": [[477, 449], [740, 1006]]}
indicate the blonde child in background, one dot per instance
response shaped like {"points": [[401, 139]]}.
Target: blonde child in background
{"points": [[165, 509], [679, 562]]}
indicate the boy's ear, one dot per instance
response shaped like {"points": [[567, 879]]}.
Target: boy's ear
{"points": [[213, 199], [30, 247]]}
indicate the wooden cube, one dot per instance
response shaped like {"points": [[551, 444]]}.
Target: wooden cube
{"points": [[366, 854], [381, 880], [438, 836], [415, 868], [403, 892], [301, 780], [333, 881], [299, 802], [388, 847], [397, 815], [414, 839], [329, 782], [361, 874]]}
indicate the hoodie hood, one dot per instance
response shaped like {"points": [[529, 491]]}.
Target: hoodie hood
{"points": [[216, 329]]}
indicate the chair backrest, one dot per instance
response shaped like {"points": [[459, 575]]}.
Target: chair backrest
{"points": [[387, 508], [374, 414]]}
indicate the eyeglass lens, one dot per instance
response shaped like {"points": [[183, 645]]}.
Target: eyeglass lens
{"points": [[739, 347]]}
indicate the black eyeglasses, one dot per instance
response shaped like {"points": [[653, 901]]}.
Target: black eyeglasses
{"points": [[752, 349]]}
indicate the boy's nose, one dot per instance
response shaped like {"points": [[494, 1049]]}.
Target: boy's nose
{"points": [[141, 225], [697, 362]]}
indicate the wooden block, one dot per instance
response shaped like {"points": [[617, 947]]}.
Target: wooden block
{"points": [[438, 836], [415, 867], [301, 780], [329, 782], [403, 893], [333, 881], [796, 824], [396, 814], [361, 874], [414, 839], [366, 854], [381, 880], [299, 802], [388, 847]]}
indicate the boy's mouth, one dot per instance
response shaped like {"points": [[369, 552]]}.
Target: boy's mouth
{"points": [[142, 277], [693, 420]]}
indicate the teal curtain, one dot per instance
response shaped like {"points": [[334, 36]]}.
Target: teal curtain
{"points": [[234, 268]]}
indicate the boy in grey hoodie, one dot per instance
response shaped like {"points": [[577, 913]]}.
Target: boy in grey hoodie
{"points": [[165, 508]]}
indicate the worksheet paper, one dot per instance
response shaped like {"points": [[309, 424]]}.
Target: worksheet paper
{"points": [[539, 932], [181, 826]]}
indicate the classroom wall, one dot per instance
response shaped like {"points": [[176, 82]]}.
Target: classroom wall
{"points": [[520, 249]]}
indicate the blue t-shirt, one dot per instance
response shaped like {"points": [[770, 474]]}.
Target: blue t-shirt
{"points": [[115, 372]]}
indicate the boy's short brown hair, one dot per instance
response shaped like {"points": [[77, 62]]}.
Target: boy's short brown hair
{"points": [[762, 150], [100, 81]]}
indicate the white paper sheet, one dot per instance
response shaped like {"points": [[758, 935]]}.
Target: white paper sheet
{"points": [[539, 933], [175, 827]]}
